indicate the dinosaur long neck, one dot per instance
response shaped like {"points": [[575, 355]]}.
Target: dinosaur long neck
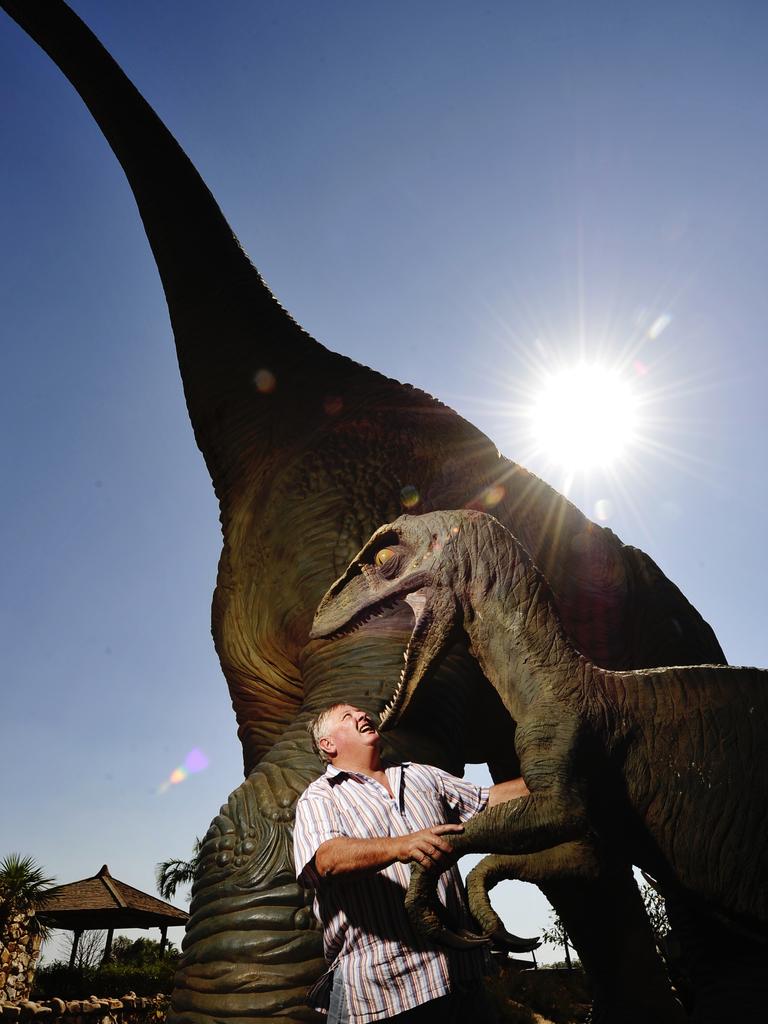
{"points": [[195, 248], [514, 628], [227, 323]]}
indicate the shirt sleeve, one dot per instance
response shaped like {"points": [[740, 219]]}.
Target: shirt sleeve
{"points": [[316, 822], [464, 798]]}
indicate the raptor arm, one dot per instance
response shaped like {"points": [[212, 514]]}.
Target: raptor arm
{"points": [[523, 826], [599, 904]]}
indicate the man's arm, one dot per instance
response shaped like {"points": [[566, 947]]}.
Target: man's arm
{"points": [[347, 856], [509, 790]]}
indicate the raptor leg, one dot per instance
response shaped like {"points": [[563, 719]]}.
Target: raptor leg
{"points": [[531, 824], [569, 860], [607, 923], [602, 911], [600, 906]]}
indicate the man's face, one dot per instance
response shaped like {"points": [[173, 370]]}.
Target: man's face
{"points": [[348, 731]]}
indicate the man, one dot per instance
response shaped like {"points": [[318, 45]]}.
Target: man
{"points": [[357, 829]]}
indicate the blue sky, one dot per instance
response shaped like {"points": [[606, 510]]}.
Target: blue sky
{"points": [[460, 195]]}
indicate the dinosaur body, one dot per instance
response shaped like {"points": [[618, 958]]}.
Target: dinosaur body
{"points": [[286, 463], [662, 767], [690, 739]]}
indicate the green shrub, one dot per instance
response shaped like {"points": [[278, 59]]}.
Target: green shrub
{"points": [[113, 979]]}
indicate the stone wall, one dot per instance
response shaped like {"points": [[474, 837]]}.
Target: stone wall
{"points": [[19, 950], [129, 1009]]}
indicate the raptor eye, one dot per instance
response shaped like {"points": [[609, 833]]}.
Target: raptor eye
{"points": [[383, 555]]}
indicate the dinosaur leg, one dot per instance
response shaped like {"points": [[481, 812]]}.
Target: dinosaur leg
{"points": [[604, 917], [606, 921], [252, 949]]}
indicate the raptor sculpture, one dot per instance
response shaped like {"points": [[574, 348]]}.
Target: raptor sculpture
{"points": [[662, 767], [324, 456]]}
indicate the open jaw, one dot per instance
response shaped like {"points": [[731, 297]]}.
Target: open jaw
{"points": [[413, 671], [325, 628], [409, 676]]}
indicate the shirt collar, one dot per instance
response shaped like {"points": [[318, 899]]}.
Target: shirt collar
{"points": [[333, 774]]}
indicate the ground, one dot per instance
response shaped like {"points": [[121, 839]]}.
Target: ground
{"points": [[544, 996]]}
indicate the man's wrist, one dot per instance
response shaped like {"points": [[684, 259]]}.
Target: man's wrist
{"points": [[347, 855]]}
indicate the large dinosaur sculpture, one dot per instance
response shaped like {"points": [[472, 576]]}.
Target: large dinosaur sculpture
{"points": [[286, 463], [663, 766]]}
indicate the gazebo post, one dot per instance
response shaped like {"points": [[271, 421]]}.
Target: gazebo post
{"points": [[75, 943], [163, 937], [108, 946]]}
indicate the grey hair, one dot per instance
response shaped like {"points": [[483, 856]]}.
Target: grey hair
{"points": [[317, 724]]}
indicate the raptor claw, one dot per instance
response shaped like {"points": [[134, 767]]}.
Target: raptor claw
{"points": [[459, 939], [502, 939]]}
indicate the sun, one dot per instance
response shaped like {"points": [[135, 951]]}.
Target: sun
{"points": [[584, 417]]}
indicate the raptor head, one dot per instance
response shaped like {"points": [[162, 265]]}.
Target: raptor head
{"points": [[418, 559]]}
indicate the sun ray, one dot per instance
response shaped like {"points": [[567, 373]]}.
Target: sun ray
{"points": [[641, 411]]}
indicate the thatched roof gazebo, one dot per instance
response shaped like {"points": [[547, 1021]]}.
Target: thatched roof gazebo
{"points": [[105, 902]]}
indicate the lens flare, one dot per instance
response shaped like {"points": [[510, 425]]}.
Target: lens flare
{"points": [[195, 761], [409, 496], [332, 405], [493, 495], [265, 381], [603, 510], [660, 324]]}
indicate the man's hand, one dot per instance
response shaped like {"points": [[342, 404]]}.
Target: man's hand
{"points": [[346, 856], [427, 846]]}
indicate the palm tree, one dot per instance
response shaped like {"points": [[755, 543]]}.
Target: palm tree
{"points": [[24, 889], [170, 874]]}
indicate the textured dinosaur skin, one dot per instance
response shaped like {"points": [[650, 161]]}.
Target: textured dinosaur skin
{"points": [[662, 766], [288, 464]]}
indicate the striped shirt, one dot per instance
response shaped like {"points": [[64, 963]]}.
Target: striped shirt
{"points": [[385, 967]]}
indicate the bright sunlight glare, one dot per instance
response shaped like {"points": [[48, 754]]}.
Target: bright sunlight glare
{"points": [[584, 417]]}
